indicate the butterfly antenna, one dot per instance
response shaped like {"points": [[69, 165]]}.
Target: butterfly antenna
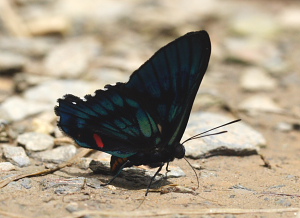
{"points": [[200, 135], [194, 171]]}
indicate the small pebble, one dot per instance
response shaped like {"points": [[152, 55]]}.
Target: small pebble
{"points": [[241, 187], [16, 155], [35, 141], [290, 18], [93, 182], [27, 46], [175, 172], [16, 108], [83, 51], [255, 79], [249, 50], [56, 155], [284, 127], [259, 103], [284, 202], [72, 207], [240, 139], [247, 22], [26, 183], [84, 163], [6, 166], [276, 186], [11, 62], [64, 186], [59, 88]]}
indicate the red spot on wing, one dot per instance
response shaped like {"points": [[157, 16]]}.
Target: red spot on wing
{"points": [[98, 141]]}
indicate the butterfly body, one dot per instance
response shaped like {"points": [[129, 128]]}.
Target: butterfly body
{"points": [[141, 122]]}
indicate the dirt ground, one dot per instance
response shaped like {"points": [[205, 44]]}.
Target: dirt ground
{"points": [[230, 186]]}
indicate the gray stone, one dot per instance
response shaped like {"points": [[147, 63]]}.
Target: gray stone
{"points": [[26, 183], [276, 64], [6, 166], [14, 186], [16, 108], [11, 61], [48, 24], [292, 177], [24, 81], [276, 186], [284, 127], [64, 186], [93, 11], [250, 50], [259, 103], [16, 155], [255, 79], [34, 141], [109, 75], [50, 91], [289, 18], [56, 155], [34, 47], [240, 139], [141, 176], [93, 182], [254, 23], [84, 163], [72, 207], [284, 202], [71, 59], [208, 174], [241, 187], [43, 126], [175, 172]]}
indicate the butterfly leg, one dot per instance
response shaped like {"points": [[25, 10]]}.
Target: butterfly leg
{"points": [[152, 179], [167, 170], [167, 167], [117, 174]]}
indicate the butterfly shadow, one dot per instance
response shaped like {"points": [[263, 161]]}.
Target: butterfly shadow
{"points": [[132, 178]]}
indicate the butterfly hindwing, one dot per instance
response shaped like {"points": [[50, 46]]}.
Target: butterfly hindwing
{"points": [[108, 122]]}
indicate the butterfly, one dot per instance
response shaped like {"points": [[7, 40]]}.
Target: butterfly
{"points": [[141, 122]]}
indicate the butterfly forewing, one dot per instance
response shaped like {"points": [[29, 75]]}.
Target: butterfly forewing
{"points": [[169, 81]]}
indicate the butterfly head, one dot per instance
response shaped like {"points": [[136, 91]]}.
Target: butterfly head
{"points": [[179, 151]]}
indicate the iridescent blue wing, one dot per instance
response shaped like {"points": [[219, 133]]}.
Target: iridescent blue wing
{"points": [[168, 82], [108, 121], [150, 111]]}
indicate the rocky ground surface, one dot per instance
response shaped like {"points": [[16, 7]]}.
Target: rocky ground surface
{"points": [[50, 48]]}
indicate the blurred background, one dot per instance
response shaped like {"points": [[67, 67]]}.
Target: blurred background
{"points": [[50, 48], [255, 45]]}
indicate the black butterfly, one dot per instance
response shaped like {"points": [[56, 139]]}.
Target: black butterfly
{"points": [[141, 122]]}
